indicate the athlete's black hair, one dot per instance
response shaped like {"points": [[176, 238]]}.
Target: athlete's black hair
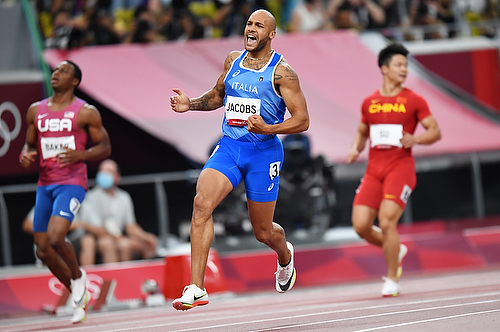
{"points": [[386, 54], [78, 72]]}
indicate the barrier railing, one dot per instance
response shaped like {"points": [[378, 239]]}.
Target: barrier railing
{"points": [[460, 29], [156, 179], [474, 160]]}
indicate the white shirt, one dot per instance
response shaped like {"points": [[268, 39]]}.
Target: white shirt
{"points": [[112, 212]]}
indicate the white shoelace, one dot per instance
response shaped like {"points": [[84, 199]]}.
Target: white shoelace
{"points": [[284, 273]]}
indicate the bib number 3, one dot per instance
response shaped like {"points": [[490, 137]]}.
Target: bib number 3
{"points": [[274, 170]]}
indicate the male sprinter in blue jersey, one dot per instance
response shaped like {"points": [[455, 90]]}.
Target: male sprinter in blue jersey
{"points": [[255, 88]]}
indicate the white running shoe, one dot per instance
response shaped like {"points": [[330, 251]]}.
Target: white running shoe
{"points": [[391, 288], [285, 276], [79, 289], [80, 312], [192, 296], [403, 250]]}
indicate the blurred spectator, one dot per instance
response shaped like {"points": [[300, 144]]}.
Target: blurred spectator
{"points": [[71, 23], [474, 11], [125, 5], [281, 10], [357, 14], [64, 34], [232, 17], [177, 21], [47, 9], [143, 28], [108, 212], [473, 6], [97, 20], [396, 13], [192, 26], [169, 25], [445, 13], [424, 13], [102, 31], [490, 15], [309, 15], [211, 15], [492, 9]]}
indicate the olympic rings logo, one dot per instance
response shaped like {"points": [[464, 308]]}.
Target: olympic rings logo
{"points": [[5, 133]]}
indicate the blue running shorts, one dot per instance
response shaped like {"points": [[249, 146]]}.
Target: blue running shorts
{"points": [[257, 163], [56, 200]]}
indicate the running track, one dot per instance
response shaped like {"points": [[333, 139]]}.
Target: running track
{"points": [[454, 301]]}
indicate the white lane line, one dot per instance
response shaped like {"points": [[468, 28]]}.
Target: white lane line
{"points": [[204, 319], [219, 326], [378, 315], [429, 320]]}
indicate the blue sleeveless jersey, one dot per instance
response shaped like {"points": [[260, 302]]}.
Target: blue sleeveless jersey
{"points": [[242, 82]]}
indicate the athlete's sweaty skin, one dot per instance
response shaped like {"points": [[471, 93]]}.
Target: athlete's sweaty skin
{"points": [[279, 84]]}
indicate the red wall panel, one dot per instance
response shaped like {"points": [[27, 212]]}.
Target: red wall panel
{"points": [[455, 68], [486, 73], [476, 72]]}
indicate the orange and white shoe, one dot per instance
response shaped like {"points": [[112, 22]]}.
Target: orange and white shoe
{"points": [[192, 296]]}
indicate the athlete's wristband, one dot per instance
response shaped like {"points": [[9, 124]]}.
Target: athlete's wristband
{"points": [[21, 155]]}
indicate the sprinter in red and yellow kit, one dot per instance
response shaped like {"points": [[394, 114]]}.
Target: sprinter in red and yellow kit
{"points": [[389, 119]]}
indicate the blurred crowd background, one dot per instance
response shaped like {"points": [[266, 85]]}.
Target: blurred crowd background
{"points": [[68, 24]]}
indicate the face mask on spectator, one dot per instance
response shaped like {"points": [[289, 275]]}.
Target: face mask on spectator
{"points": [[105, 180]]}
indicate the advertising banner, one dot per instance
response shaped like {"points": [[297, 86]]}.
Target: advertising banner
{"points": [[15, 99]]}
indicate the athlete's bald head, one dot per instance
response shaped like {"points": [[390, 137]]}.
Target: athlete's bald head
{"points": [[264, 16]]}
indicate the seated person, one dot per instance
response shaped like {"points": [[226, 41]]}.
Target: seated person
{"points": [[309, 15], [108, 214]]}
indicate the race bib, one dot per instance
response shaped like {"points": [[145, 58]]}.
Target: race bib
{"points": [[386, 135], [52, 146], [239, 109]]}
